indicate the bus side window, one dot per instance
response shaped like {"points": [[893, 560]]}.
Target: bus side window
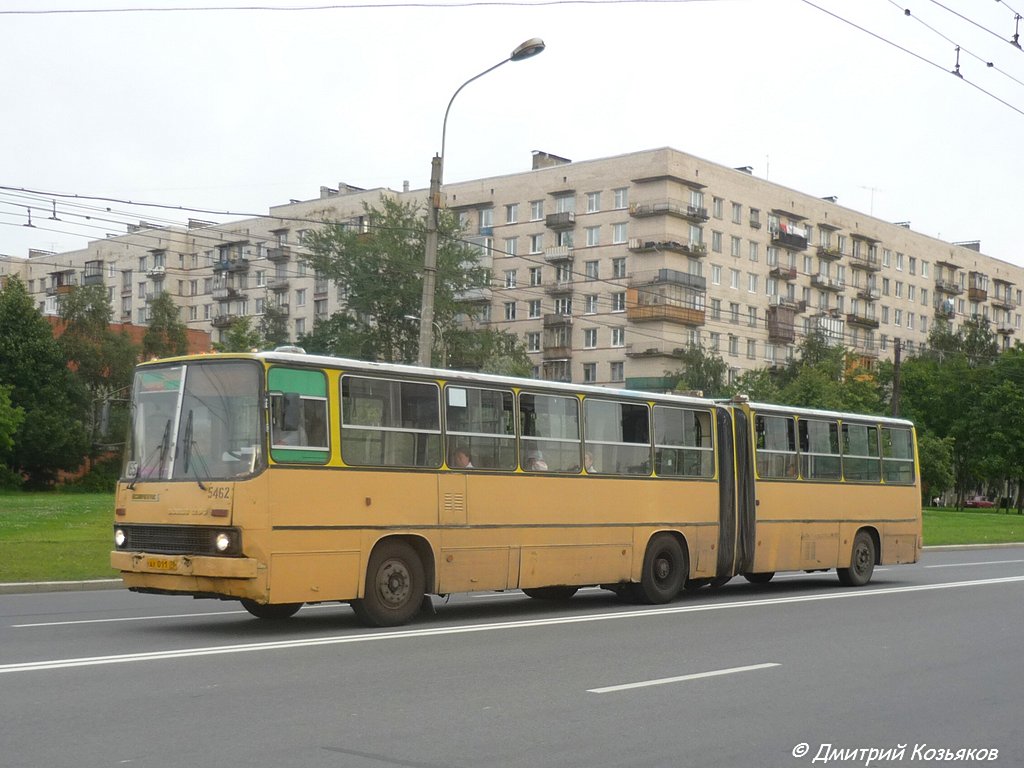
{"points": [[550, 433], [392, 423], [861, 461], [298, 415], [898, 455], [682, 442], [618, 437], [819, 450], [776, 447]]}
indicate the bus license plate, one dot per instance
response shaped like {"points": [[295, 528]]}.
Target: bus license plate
{"points": [[162, 564]]}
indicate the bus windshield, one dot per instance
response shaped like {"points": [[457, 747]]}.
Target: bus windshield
{"points": [[196, 421]]}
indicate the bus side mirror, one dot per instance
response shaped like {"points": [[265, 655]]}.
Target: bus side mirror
{"points": [[291, 411]]}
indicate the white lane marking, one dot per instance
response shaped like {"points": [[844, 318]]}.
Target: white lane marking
{"points": [[644, 613], [964, 565], [151, 618], [680, 678]]}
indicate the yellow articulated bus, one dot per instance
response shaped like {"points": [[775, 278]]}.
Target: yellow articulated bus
{"points": [[280, 478]]}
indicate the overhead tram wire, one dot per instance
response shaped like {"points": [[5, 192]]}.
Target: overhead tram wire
{"points": [[909, 52], [988, 64], [980, 26]]}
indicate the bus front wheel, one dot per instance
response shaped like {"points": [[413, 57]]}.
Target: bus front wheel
{"points": [[395, 585], [665, 570], [862, 562], [272, 612]]}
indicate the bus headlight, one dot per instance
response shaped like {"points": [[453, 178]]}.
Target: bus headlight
{"points": [[119, 538], [223, 542]]}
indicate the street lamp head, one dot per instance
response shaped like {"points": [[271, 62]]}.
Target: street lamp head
{"points": [[526, 50]]}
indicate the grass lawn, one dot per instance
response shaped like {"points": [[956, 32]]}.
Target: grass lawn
{"points": [[56, 536], [63, 537], [971, 526]]}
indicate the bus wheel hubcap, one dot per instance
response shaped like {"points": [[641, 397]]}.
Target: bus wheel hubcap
{"points": [[393, 583], [662, 568]]}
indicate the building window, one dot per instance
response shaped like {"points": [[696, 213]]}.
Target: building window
{"points": [[536, 243], [617, 371], [590, 338], [591, 270], [300, 297], [619, 267], [510, 278], [737, 213], [734, 246], [716, 241], [593, 202], [511, 246], [590, 304], [510, 310], [619, 302], [536, 210], [717, 205], [535, 275], [533, 341], [589, 373], [512, 213], [563, 306], [618, 337], [753, 251], [593, 236], [620, 233], [621, 197], [534, 308]]}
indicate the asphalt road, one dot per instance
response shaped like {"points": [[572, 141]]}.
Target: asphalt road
{"points": [[927, 656]]}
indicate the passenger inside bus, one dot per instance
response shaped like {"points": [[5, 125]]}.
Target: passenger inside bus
{"points": [[461, 459]]}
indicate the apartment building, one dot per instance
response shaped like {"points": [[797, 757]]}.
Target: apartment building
{"points": [[605, 268]]}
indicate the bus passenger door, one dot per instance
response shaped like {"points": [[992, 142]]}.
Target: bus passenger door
{"points": [[736, 510]]}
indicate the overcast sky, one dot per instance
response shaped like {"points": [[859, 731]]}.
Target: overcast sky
{"points": [[238, 110]]}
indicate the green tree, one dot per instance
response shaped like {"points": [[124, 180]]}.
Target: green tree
{"points": [[700, 370], [339, 335], [382, 271], [11, 417], [240, 337], [52, 436], [104, 360], [488, 351], [273, 327], [936, 458], [166, 335]]}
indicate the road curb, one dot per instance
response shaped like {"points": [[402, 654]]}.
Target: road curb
{"points": [[27, 587]]}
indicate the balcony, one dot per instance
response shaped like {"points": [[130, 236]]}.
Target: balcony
{"points": [[977, 294], [280, 254], [157, 270], [781, 328], [556, 321], [676, 208], [651, 350], [783, 273], [789, 241], [1004, 301], [867, 263], [854, 318], [238, 265], [561, 220], [1005, 327], [947, 286], [869, 294], [277, 284], [797, 305], [944, 310], [669, 277], [674, 246], [474, 295], [640, 313], [558, 254], [827, 283], [281, 309], [225, 293], [829, 254], [223, 321], [557, 353], [560, 287], [93, 274]]}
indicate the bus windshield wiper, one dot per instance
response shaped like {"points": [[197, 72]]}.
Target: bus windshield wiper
{"points": [[159, 453], [188, 451]]}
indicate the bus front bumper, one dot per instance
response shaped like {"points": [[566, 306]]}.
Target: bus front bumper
{"points": [[185, 565]]}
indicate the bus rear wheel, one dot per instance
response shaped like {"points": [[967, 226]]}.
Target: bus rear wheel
{"points": [[395, 585], [550, 593], [862, 562], [664, 572], [271, 611]]}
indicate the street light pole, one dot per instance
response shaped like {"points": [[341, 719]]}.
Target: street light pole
{"points": [[525, 50]]}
